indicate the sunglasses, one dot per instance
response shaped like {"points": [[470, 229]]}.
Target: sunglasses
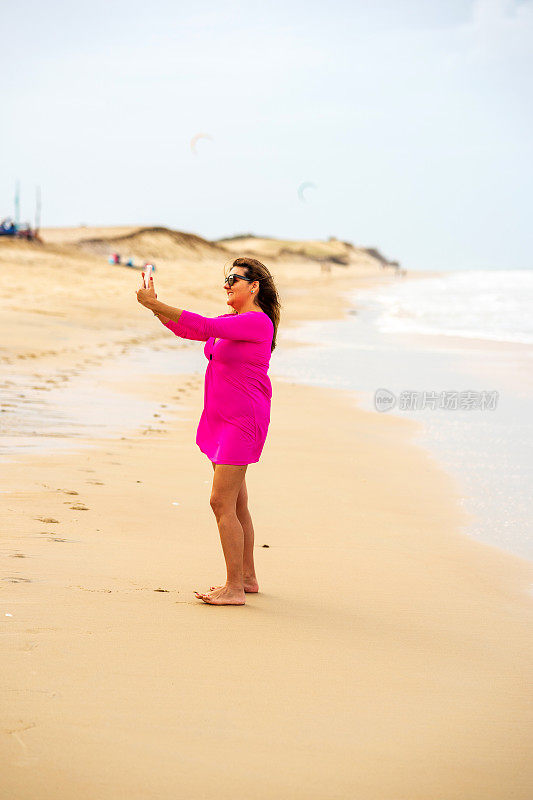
{"points": [[230, 280]]}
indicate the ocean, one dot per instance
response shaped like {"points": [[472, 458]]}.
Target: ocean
{"points": [[453, 351], [495, 305]]}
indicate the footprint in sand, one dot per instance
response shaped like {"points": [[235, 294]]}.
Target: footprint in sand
{"points": [[15, 579], [22, 727], [79, 507], [46, 519], [97, 483], [86, 589], [26, 648], [59, 539], [17, 555], [67, 491]]}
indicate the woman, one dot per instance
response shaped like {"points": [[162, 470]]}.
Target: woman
{"points": [[237, 395]]}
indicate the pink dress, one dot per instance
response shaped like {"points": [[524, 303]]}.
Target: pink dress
{"points": [[237, 389]]}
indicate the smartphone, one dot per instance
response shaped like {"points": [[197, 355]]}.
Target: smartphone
{"points": [[147, 273]]}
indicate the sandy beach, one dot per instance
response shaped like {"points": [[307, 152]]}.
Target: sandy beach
{"points": [[386, 657]]}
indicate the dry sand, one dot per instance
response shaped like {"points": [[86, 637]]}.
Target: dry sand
{"points": [[386, 657]]}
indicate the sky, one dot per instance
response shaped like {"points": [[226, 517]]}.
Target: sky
{"points": [[411, 120]]}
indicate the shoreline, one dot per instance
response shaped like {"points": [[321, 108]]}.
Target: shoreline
{"points": [[370, 664], [493, 487]]}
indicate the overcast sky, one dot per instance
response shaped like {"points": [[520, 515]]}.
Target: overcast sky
{"points": [[411, 118]]}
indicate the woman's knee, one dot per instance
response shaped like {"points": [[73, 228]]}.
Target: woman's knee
{"points": [[220, 504]]}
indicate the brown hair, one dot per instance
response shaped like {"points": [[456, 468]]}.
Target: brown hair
{"points": [[268, 298]]}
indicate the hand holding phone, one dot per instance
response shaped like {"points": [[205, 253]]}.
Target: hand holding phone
{"points": [[147, 275], [146, 285]]}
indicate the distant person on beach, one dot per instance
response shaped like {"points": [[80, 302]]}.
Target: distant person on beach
{"points": [[7, 227], [236, 415]]}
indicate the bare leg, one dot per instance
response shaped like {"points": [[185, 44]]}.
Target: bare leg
{"points": [[250, 583], [249, 576], [226, 484]]}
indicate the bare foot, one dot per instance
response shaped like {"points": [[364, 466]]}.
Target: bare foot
{"points": [[250, 586], [225, 596]]}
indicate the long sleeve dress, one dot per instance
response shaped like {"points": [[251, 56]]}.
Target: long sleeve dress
{"points": [[237, 390]]}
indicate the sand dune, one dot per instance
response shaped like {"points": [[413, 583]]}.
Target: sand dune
{"points": [[333, 249], [153, 244], [150, 243]]}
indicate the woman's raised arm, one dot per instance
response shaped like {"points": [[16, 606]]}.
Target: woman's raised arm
{"points": [[252, 326], [181, 330], [171, 319]]}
